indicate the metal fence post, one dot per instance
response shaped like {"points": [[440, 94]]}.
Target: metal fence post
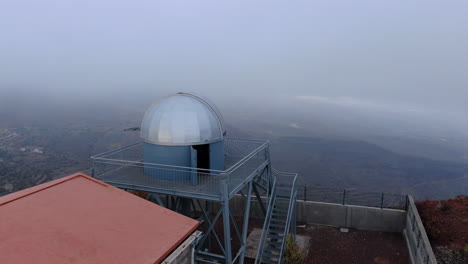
{"points": [[344, 196], [226, 222], [381, 201], [406, 203], [305, 193]]}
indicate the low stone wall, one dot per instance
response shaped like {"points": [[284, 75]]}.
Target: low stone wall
{"points": [[418, 244], [350, 216]]}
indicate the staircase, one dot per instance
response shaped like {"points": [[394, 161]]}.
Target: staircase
{"points": [[279, 220]]}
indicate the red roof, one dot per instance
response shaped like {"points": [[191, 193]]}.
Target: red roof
{"points": [[78, 219]]}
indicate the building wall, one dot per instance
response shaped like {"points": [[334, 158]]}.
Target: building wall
{"points": [[184, 156], [168, 155]]}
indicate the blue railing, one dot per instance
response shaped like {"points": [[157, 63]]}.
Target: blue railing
{"points": [[266, 224], [124, 167], [289, 180]]}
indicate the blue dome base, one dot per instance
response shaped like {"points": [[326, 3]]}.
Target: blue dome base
{"points": [[184, 156]]}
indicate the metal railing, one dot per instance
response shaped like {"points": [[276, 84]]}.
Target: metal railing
{"points": [[125, 168], [266, 222], [290, 182], [352, 197], [418, 242], [284, 186]]}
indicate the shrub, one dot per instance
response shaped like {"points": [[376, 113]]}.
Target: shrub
{"points": [[293, 254], [443, 206]]}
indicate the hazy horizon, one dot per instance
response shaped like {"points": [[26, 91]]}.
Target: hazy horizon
{"points": [[362, 67]]}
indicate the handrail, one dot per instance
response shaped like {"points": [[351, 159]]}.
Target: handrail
{"points": [[267, 222], [156, 165], [291, 206], [115, 150], [101, 157], [239, 163]]}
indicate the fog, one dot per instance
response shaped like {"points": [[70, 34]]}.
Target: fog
{"points": [[371, 62]]}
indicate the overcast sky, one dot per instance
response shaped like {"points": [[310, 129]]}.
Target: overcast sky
{"points": [[405, 55]]}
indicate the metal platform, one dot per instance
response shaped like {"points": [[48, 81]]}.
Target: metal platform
{"points": [[247, 173], [124, 168]]}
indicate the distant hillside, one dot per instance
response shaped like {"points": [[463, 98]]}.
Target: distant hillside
{"points": [[358, 164], [36, 155], [65, 141]]}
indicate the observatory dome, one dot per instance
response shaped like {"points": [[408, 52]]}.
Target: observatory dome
{"points": [[182, 119]]}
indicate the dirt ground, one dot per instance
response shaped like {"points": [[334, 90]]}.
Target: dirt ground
{"points": [[330, 246], [446, 224]]}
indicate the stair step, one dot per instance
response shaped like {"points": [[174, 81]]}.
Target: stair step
{"points": [[279, 238], [276, 210], [276, 248], [273, 246], [278, 220], [276, 231], [273, 251], [280, 211], [277, 225], [267, 261], [279, 216], [270, 256]]}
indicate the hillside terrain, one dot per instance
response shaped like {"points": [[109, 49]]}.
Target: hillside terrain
{"points": [[31, 155], [357, 164], [45, 144]]}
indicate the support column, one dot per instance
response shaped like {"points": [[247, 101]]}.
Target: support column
{"points": [[246, 223], [226, 222], [259, 198]]}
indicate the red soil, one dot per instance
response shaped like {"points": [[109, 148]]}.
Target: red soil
{"points": [[329, 246], [446, 222]]}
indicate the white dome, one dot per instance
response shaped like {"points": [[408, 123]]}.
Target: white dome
{"points": [[182, 119]]}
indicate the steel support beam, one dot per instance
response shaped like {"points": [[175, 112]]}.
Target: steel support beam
{"points": [[246, 223], [259, 198], [226, 222]]}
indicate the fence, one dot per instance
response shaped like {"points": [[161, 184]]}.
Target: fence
{"points": [[418, 243], [351, 197]]}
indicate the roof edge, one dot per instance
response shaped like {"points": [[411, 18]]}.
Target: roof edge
{"points": [[31, 190]]}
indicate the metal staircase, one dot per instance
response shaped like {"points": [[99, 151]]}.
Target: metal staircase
{"points": [[280, 219]]}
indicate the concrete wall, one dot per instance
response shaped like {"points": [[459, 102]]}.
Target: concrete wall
{"points": [[416, 238], [350, 216], [184, 253]]}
